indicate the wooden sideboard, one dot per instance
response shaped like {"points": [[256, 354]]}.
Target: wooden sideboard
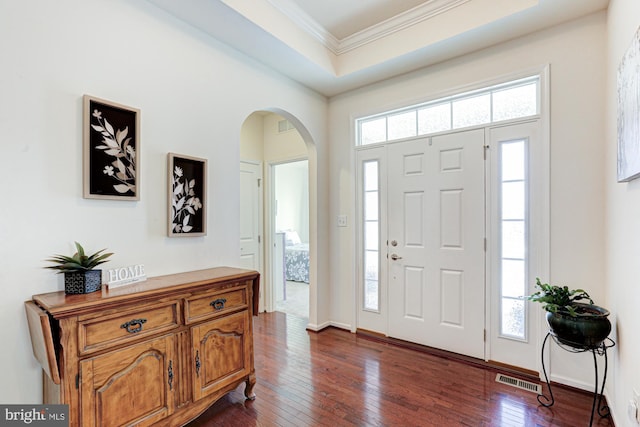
{"points": [[158, 352]]}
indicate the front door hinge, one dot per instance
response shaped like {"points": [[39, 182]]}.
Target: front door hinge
{"points": [[259, 239], [485, 244], [78, 380], [259, 179], [484, 336]]}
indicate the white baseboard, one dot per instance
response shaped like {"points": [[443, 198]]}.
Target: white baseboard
{"points": [[318, 328]]}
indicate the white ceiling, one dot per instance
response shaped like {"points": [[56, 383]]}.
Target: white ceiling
{"points": [[333, 46]]}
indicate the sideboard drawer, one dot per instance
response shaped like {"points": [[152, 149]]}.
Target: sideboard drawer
{"points": [[212, 304], [123, 327]]}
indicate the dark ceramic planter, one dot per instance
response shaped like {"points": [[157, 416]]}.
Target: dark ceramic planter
{"points": [[587, 330], [82, 282]]}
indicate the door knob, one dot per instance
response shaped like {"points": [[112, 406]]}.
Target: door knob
{"points": [[395, 257]]}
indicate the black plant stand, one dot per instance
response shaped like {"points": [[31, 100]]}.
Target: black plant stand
{"points": [[599, 350]]}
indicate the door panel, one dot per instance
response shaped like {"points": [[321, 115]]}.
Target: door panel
{"points": [[436, 216], [221, 353], [129, 386]]}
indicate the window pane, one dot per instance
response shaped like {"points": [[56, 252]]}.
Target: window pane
{"points": [[513, 200], [371, 206], [513, 239], [371, 295], [471, 111], [373, 131], [513, 281], [402, 125], [371, 265], [436, 118], [513, 317], [371, 236], [515, 102], [370, 176], [371, 284], [512, 158]]}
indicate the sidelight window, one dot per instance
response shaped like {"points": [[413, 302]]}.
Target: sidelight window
{"points": [[371, 210], [513, 226]]}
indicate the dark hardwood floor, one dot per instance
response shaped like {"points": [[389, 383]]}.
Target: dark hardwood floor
{"points": [[336, 378]]}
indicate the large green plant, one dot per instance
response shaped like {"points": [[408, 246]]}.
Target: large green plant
{"points": [[79, 261], [558, 298]]}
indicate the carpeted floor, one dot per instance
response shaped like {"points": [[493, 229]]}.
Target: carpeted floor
{"points": [[297, 302]]}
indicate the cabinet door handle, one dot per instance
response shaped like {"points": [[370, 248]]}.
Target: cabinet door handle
{"points": [[197, 363], [133, 326], [170, 374], [218, 304]]}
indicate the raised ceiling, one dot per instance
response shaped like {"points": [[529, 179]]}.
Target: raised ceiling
{"points": [[352, 16], [333, 46]]}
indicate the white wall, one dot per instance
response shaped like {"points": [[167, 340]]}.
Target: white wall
{"points": [[194, 95], [575, 52], [623, 225], [282, 146], [251, 138]]}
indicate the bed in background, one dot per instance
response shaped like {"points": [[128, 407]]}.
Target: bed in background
{"points": [[296, 258]]}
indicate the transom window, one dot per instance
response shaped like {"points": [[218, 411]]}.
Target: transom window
{"points": [[507, 101]]}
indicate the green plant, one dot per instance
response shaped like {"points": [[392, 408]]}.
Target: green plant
{"points": [[559, 298], [79, 261]]}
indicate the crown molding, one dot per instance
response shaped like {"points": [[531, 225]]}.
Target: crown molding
{"points": [[424, 12], [404, 20], [302, 19]]}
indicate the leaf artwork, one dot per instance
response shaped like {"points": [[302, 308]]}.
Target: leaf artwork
{"points": [[118, 144], [184, 202]]}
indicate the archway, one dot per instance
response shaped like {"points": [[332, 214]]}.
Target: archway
{"points": [[267, 138]]}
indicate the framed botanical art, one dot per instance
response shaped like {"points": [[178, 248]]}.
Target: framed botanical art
{"points": [[187, 196], [111, 151]]}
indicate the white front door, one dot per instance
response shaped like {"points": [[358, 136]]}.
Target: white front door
{"points": [[436, 242]]}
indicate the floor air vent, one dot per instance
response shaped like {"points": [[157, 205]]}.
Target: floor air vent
{"points": [[521, 384]]}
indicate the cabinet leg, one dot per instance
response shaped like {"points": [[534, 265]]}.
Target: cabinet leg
{"points": [[250, 383]]}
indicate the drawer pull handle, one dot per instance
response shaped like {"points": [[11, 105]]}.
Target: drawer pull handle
{"points": [[218, 304], [133, 326]]}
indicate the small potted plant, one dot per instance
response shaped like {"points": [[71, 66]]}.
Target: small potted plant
{"points": [[80, 276], [573, 322]]}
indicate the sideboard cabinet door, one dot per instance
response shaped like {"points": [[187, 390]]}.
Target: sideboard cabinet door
{"points": [[134, 385], [221, 353]]}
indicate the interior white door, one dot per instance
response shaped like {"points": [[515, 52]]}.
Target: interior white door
{"points": [[251, 216], [436, 232]]}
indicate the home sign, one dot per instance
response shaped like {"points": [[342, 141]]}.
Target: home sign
{"points": [[125, 275]]}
